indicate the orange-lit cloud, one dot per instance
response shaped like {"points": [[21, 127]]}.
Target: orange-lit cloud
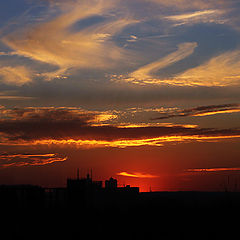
{"points": [[146, 72], [222, 70], [190, 15], [20, 160], [73, 127], [54, 43], [202, 111], [57, 114], [137, 175], [140, 125], [212, 169], [217, 112], [188, 4], [100, 143], [18, 75], [204, 16], [155, 142]]}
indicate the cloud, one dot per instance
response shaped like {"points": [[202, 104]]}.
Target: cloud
{"points": [[137, 175], [138, 141], [210, 170], [222, 70], [189, 5], [219, 71], [146, 73], [184, 50], [56, 114], [187, 16], [202, 111], [20, 160], [18, 75], [70, 38], [203, 16], [12, 95], [72, 127], [58, 43]]}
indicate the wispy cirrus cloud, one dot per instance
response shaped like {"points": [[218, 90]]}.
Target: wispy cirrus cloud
{"points": [[202, 111], [221, 70], [189, 5], [19, 160], [146, 74], [68, 48], [203, 16]]}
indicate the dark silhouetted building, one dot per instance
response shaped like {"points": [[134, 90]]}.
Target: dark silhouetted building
{"points": [[82, 191], [111, 184]]}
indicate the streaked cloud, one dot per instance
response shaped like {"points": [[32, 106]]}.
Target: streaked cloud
{"points": [[190, 15], [13, 95], [156, 125], [137, 175], [21, 160], [146, 72], [202, 111], [54, 42], [127, 142], [222, 70], [206, 170], [188, 4], [203, 16]]}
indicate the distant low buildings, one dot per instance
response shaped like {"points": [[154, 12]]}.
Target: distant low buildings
{"points": [[79, 193], [86, 192]]}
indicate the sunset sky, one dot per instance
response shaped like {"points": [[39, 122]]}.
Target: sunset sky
{"points": [[145, 91]]}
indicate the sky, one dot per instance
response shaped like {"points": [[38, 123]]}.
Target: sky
{"points": [[145, 91]]}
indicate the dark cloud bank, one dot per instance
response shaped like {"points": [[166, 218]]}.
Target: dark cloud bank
{"points": [[50, 123]]}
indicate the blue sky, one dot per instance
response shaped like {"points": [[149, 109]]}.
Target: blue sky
{"points": [[138, 45]]}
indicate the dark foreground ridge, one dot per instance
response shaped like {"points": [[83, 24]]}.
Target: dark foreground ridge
{"points": [[87, 210]]}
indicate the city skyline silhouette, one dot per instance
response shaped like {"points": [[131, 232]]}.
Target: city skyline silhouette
{"points": [[119, 119]]}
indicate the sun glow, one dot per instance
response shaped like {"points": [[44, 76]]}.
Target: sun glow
{"points": [[137, 175]]}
